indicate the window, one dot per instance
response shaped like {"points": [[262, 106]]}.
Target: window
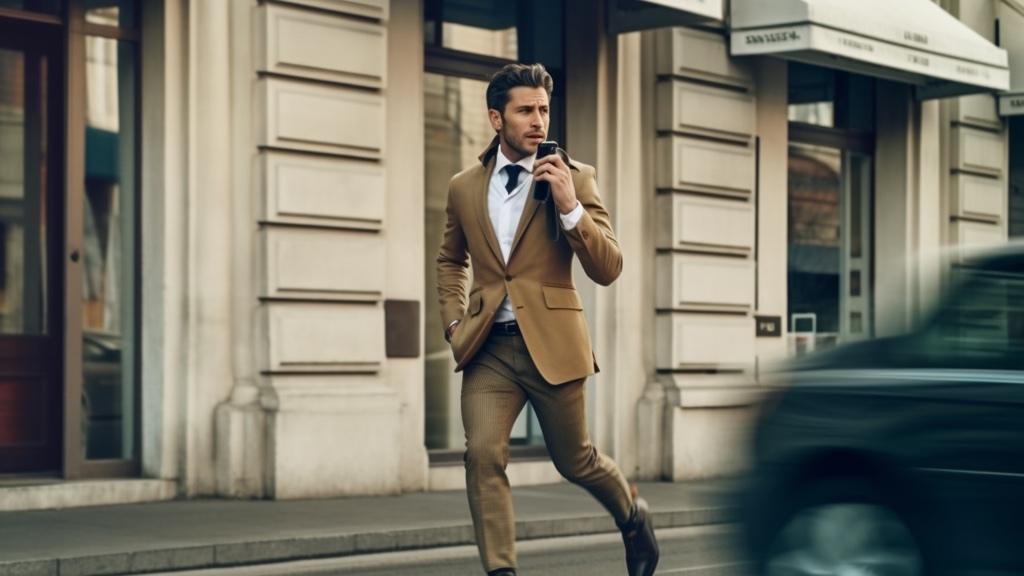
{"points": [[830, 168], [1015, 219], [466, 42], [69, 310]]}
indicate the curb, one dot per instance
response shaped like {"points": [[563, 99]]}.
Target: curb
{"points": [[289, 549]]}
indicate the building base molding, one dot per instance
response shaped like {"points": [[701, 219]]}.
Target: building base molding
{"points": [[531, 473], [79, 493], [650, 432], [337, 444], [241, 449], [704, 443]]}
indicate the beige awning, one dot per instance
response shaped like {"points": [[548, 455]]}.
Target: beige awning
{"points": [[632, 15], [913, 41]]}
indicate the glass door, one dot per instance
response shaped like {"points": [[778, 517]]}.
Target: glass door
{"points": [[31, 329], [855, 267], [829, 246]]}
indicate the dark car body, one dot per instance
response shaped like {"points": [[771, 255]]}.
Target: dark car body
{"points": [[913, 443]]}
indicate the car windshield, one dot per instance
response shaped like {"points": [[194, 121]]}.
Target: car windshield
{"points": [[982, 324]]}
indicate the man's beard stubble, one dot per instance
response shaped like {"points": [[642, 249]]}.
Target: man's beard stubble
{"points": [[515, 144]]}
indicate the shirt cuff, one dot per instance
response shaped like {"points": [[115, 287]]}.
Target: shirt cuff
{"points": [[570, 220]]}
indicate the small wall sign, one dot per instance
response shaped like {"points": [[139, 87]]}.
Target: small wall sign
{"points": [[770, 326]]}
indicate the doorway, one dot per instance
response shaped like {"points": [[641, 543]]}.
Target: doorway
{"points": [[830, 189], [31, 327]]}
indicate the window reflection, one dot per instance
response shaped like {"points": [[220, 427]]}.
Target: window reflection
{"points": [[486, 27], [814, 241], [45, 6], [457, 130], [22, 201], [120, 13], [108, 290]]}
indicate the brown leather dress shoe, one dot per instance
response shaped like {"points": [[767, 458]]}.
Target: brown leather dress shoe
{"points": [[638, 536]]}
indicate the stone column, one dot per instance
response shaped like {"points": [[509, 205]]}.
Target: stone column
{"points": [[706, 118], [209, 239], [333, 416], [240, 420]]}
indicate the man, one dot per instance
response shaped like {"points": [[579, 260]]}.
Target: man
{"points": [[519, 334]]}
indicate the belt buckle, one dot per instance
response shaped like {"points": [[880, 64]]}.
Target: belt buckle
{"points": [[510, 328]]}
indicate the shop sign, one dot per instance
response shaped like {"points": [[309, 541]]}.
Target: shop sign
{"points": [[768, 325], [774, 37], [1011, 105]]}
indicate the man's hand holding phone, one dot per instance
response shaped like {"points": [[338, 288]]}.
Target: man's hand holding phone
{"points": [[553, 181]]}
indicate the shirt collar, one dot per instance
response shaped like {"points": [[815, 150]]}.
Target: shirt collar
{"points": [[500, 161]]}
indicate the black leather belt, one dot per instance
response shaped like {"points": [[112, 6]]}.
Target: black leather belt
{"points": [[505, 328]]}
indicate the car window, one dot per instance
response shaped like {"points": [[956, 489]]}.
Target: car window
{"points": [[982, 324]]}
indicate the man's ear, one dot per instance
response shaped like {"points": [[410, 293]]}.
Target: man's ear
{"points": [[495, 118]]}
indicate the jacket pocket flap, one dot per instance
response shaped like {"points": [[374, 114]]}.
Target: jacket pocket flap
{"points": [[476, 303], [559, 297]]}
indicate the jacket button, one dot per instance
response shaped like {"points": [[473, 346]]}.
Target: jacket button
{"points": [[508, 277], [585, 235]]}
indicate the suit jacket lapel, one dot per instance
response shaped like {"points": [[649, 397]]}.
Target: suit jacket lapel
{"points": [[529, 211], [480, 188]]}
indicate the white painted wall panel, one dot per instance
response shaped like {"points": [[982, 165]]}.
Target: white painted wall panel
{"points": [[324, 338], [319, 46], [701, 109], [377, 9], [704, 340], [705, 166], [323, 264], [687, 280], [695, 222], [979, 197], [316, 118], [977, 110], [691, 53], [322, 191], [968, 234], [977, 151]]}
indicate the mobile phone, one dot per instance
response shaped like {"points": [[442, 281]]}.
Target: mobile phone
{"points": [[541, 190]]}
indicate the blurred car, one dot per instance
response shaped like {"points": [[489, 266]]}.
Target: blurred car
{"points": [[903, 455]]}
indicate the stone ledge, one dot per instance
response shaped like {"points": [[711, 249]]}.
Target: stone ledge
{"points": [[79, 493]]}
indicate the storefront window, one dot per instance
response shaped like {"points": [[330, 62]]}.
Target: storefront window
{"points": [[44, 6], [119, 13], [1016, 191], [467, 41], [108, 293], [23, 259], [830, 189], [68, 238]]}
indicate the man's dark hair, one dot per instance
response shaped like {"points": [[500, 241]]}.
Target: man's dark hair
{"points": [[513, 75]]}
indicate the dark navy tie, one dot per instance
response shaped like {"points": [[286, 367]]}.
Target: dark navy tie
{"points": [[513, 171]]}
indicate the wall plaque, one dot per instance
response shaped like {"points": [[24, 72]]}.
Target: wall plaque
{"points": [[769, 326]]}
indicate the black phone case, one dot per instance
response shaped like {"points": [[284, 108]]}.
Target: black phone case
{"points": [[542, 190]]}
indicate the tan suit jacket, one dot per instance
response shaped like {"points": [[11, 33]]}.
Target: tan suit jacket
{"points": [[538, 275]]}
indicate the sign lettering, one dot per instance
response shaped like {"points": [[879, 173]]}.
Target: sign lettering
{"points": [[915, 37], [1017, 103], [768, 326], [919, 60], [857, 45], [772, 37]]}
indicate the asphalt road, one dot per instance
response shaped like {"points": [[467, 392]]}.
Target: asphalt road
{"points": [[695, 551]]}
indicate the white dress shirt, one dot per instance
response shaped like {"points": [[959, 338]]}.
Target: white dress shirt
{"points": [[506, 209]]}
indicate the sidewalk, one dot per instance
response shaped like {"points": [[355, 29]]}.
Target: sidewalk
{"points": [[190, 534]]}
